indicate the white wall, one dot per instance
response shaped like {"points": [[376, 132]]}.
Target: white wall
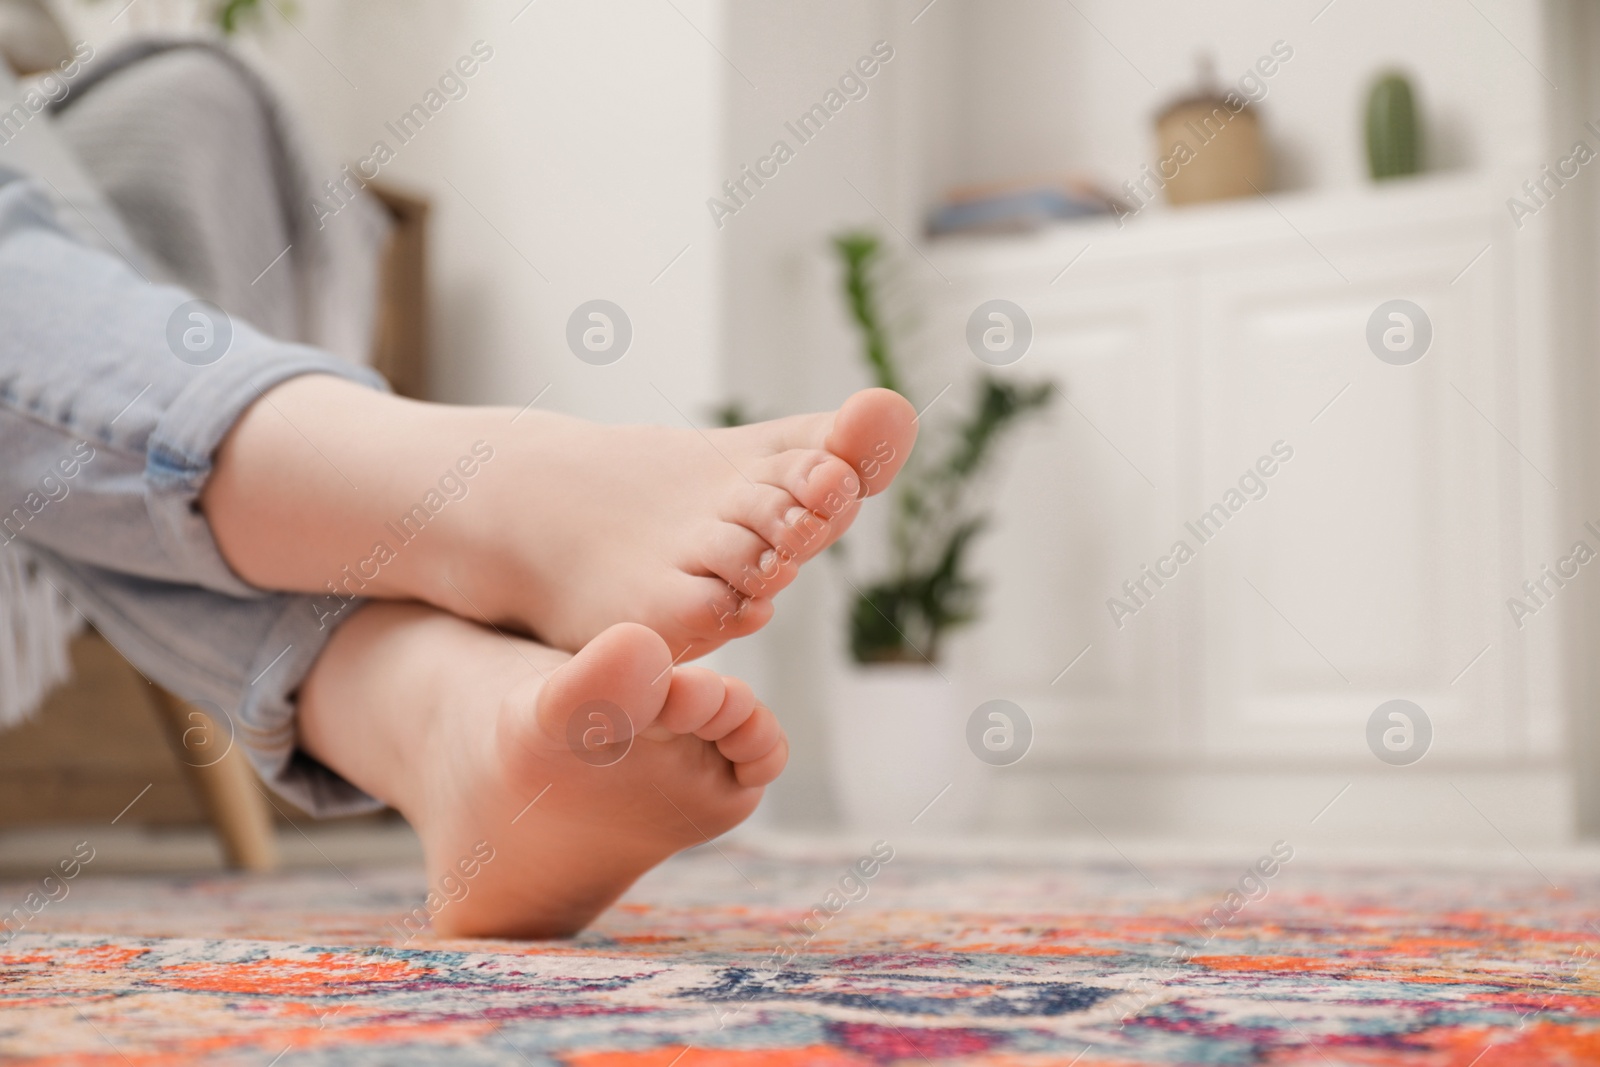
{"points": [[585, 147], [1035, 87]]}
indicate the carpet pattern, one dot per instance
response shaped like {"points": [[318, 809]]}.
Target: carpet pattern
{"points": [[739, 957]]}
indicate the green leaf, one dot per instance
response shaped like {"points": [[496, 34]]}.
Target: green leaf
{"points": [[232, 13], [860, 251], [905, 617]]}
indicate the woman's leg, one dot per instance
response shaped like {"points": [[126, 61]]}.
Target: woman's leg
{"points": [[543, 523], [314, 483]]}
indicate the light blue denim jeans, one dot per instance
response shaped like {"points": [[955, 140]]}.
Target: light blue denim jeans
{"points": [[106, 440]]}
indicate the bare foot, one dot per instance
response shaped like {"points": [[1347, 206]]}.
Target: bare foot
{"points": [[563, 527], [689, 533], [535, 808]]}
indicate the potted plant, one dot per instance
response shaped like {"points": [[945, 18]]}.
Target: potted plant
{"points": [[897, 719]]}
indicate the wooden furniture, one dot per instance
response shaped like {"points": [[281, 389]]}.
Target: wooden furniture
{"points": [[400, 347], [91, 748], [101, 750], [223, 781]]}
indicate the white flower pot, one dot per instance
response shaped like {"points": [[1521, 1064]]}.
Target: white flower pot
{"points": [[899, 758]]}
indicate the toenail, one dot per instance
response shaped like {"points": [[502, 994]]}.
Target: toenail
{"points": [[767, 565], [806, 524]]}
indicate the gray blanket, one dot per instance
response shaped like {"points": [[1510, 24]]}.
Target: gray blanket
{"points": [[211, 175], [178, 157]]}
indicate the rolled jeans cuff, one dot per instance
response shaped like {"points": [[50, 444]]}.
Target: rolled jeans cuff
{"points": [[107, 416], [178, 458]]}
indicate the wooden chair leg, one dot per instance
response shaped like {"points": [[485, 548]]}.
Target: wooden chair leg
{"points": [[224, 781]]}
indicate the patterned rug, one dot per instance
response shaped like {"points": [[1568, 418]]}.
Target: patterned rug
{"points": [[739, 957]]}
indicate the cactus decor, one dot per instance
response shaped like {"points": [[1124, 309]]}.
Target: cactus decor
{"points": [[1392, 128]]}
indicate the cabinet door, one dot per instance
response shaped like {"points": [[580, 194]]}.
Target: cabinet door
{"points": [[1376, 564], [1088, 494]]}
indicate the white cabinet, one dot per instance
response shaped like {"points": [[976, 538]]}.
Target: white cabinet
{"points": [[1373, 564]]}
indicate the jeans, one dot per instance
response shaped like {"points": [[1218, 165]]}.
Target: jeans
{"points": [[114, 395]]}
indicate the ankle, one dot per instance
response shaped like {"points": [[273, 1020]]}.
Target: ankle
{"points": [[299, 484], [396, 666]]}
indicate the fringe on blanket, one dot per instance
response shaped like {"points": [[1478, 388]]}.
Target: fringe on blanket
{"points": [[36, 622]]}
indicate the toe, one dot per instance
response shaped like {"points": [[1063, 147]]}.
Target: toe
{"points": [[817, 479], [738, 702], [796, 533], [709, 608], [627, 666], [777, 517], [764, 769], [696, 695], [755, 738], [757, 612], [745, 561], [712, 614], [873, 432]]}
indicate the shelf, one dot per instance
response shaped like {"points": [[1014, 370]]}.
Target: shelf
{"points": [[1445, 199]]}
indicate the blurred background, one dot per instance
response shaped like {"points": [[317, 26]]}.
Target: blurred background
{"points": [[1140, 250]]}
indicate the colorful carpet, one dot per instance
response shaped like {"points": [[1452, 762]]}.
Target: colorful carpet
{"points": [[737, 957]]}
